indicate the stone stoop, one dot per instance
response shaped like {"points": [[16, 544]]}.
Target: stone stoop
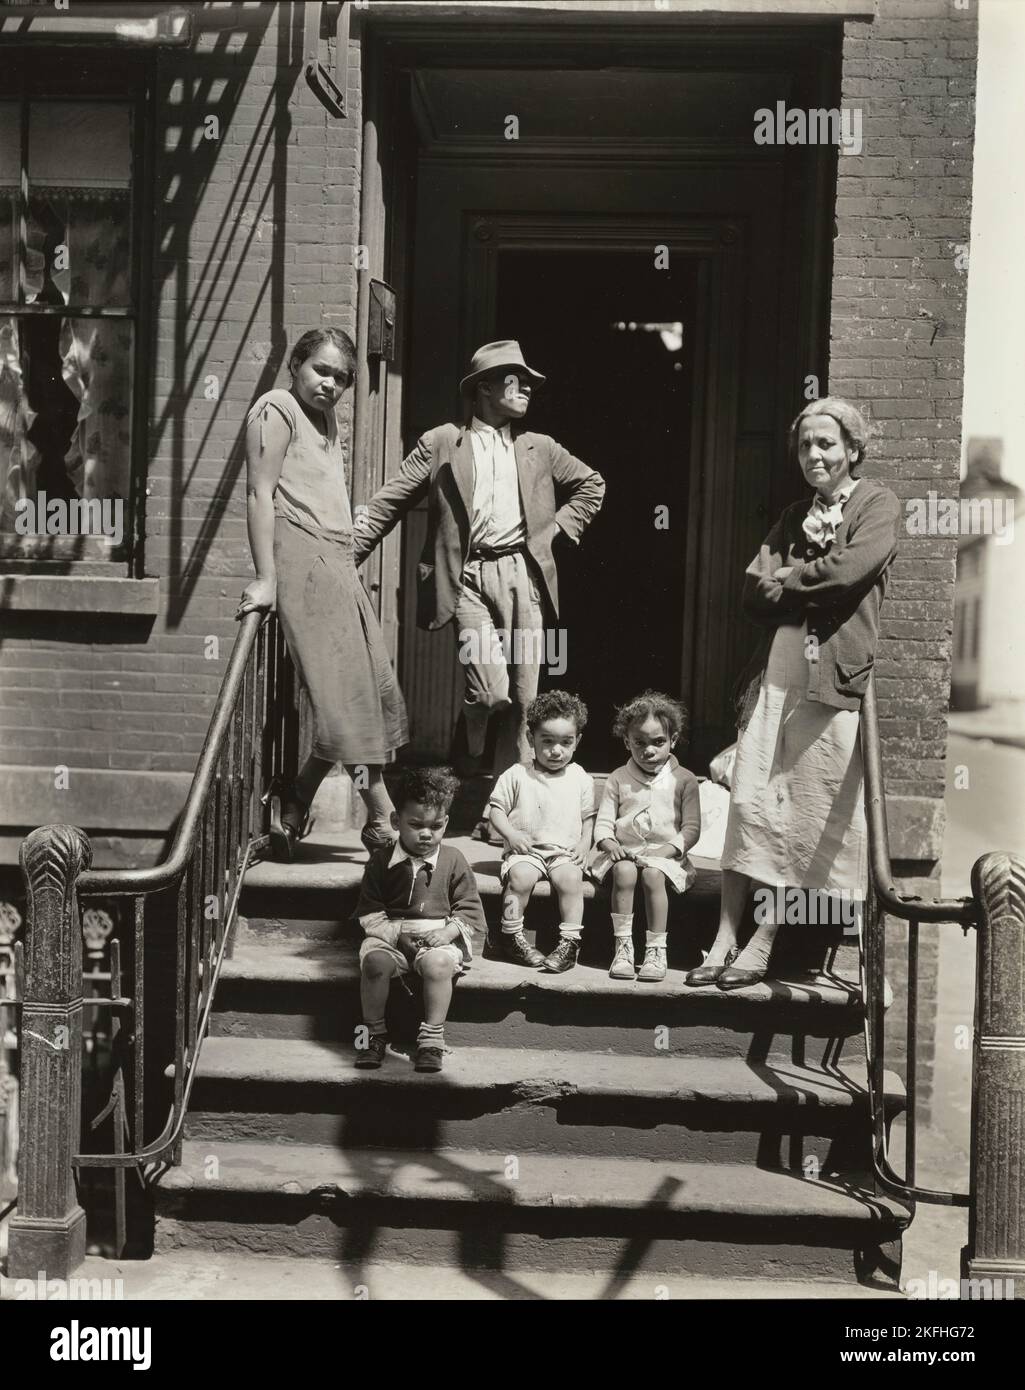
{"points": [[580, 1123]]}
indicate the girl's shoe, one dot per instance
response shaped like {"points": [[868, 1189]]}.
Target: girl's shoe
{"points": [[709, 974], [623, 967], [653, 967]]}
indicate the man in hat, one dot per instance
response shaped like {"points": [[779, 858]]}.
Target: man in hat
{"points": [[498, 496]]}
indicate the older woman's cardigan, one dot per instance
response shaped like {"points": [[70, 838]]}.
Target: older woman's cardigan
{"points": [[838, 592]]}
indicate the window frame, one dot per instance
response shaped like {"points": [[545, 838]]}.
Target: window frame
{"points": [[46, 74]]}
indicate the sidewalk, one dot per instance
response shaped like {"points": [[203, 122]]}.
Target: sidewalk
{"points": [[999, 723]]}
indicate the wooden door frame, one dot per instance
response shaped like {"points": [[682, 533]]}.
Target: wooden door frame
{"points": [[716, 244]]}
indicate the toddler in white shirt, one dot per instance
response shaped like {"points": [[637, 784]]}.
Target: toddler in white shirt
{"points": [[545, 815]]}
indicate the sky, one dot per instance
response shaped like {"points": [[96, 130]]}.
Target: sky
{"points": [[994, 400]]}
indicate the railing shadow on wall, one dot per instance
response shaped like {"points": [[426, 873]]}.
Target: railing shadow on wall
{"points": [[205, 290], [996, 911], [177, 922]]}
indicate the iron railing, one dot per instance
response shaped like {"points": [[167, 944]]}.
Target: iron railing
{"points": [[996, 911], [176, 924]]}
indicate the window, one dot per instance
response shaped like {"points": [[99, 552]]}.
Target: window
{"points": [[69, 286]]}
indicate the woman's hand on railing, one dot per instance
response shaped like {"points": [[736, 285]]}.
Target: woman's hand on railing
{"points": [[261, 594]]}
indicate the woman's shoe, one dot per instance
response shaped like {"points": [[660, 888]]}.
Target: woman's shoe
{"points": [[740, 979], [287, 820], [709, 974], [372, 840]]}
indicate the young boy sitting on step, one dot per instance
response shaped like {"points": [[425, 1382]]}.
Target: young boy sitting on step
{"points": [[545, 813], [418, 908]]}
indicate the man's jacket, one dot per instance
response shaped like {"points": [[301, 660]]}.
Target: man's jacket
{"points": [[557, 493]]}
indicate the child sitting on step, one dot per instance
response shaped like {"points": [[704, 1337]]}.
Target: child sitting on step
{"points": [[649, 817], [545, 813], [418, 908]]}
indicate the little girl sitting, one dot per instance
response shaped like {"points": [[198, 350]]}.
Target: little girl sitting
{"points": [[650, 816]]}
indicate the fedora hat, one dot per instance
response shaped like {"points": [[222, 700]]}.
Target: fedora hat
{"points": [[492, 357]]}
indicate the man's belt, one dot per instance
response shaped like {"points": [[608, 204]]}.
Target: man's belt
{"points": [[490, 552]]}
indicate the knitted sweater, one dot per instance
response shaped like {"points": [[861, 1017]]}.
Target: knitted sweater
{"points": [[451, 895]]}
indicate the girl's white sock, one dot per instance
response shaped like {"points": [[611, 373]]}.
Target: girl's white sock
{"points": [[622, 924]]}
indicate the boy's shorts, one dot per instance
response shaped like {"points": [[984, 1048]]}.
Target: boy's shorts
{"points": [[450, 951], [544, 858]]}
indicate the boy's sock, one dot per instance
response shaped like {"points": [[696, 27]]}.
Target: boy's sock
{"points": [[431, 1035], [655, 938], [376, 1027], [622, 924], [511, 925], [572, 930]]}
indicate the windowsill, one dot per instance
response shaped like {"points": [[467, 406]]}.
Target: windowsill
{"points": [[78, 593]]}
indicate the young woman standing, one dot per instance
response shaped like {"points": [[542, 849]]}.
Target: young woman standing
{"points": [[300, 532]]}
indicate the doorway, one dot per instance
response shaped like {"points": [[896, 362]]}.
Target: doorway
{"points": [[615, 337]]}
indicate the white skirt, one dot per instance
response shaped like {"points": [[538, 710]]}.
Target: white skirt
{"points": [[797, 811]]}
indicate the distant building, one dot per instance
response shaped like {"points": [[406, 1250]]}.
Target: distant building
{"points": [[988, 665]]}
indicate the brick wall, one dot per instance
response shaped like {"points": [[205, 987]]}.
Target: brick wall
{"points": [[897, 345], [253, 234]]}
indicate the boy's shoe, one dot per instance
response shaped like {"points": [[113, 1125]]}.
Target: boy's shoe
{"points": [[370, 1057], [428, 1058], [623, 967], [517, 949], [654, 965], [564, 957]]}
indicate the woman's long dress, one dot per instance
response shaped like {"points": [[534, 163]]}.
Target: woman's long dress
{"points": [[797, 815], [331, 629]]}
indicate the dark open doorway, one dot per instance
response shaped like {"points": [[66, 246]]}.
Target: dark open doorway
{"points": [[615, 337]]}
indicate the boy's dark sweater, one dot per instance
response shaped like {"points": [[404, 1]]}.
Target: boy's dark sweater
{"points": [[384, 895]]}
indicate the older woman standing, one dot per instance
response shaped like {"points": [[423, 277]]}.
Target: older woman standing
{"points": [[797, 817], [300, 532]]}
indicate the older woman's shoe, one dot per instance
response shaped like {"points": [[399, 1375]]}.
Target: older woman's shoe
{"points": [[709, 974], [740, 979]]}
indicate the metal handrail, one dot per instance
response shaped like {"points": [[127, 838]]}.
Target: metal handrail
{"points": [[177, 929], [884, 898]]}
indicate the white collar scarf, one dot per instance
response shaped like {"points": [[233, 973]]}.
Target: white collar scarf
{"points": [[820, 525]]}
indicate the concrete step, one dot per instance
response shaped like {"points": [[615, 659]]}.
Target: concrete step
{"points": [[497, 1211], [658, 1106], [297, 988]]}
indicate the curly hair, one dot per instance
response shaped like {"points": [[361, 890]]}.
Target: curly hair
{"points": [[430, 786], [854, 428], [556, 704], [652, 704], [310, 341]]}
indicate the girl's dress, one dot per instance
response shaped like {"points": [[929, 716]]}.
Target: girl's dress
{"points": [[642, 810], [797, 815], [331, 629]]}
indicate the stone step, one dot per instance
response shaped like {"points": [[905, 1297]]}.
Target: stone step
{"points": [[496, 1211], [721, 1109], [297, 988], [316, 894]]}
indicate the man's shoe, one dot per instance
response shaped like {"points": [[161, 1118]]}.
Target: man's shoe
{"points": [[428, 1058], [369, 1058], [517, 949], [740, 979], [653, 966], [564, 957], [623, 967]]}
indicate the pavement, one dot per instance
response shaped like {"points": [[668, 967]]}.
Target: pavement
{"points": [[1004, 723]]}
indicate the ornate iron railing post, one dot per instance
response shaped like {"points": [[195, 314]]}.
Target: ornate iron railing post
{"points": [[48, 1231], [996, 1231]]}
